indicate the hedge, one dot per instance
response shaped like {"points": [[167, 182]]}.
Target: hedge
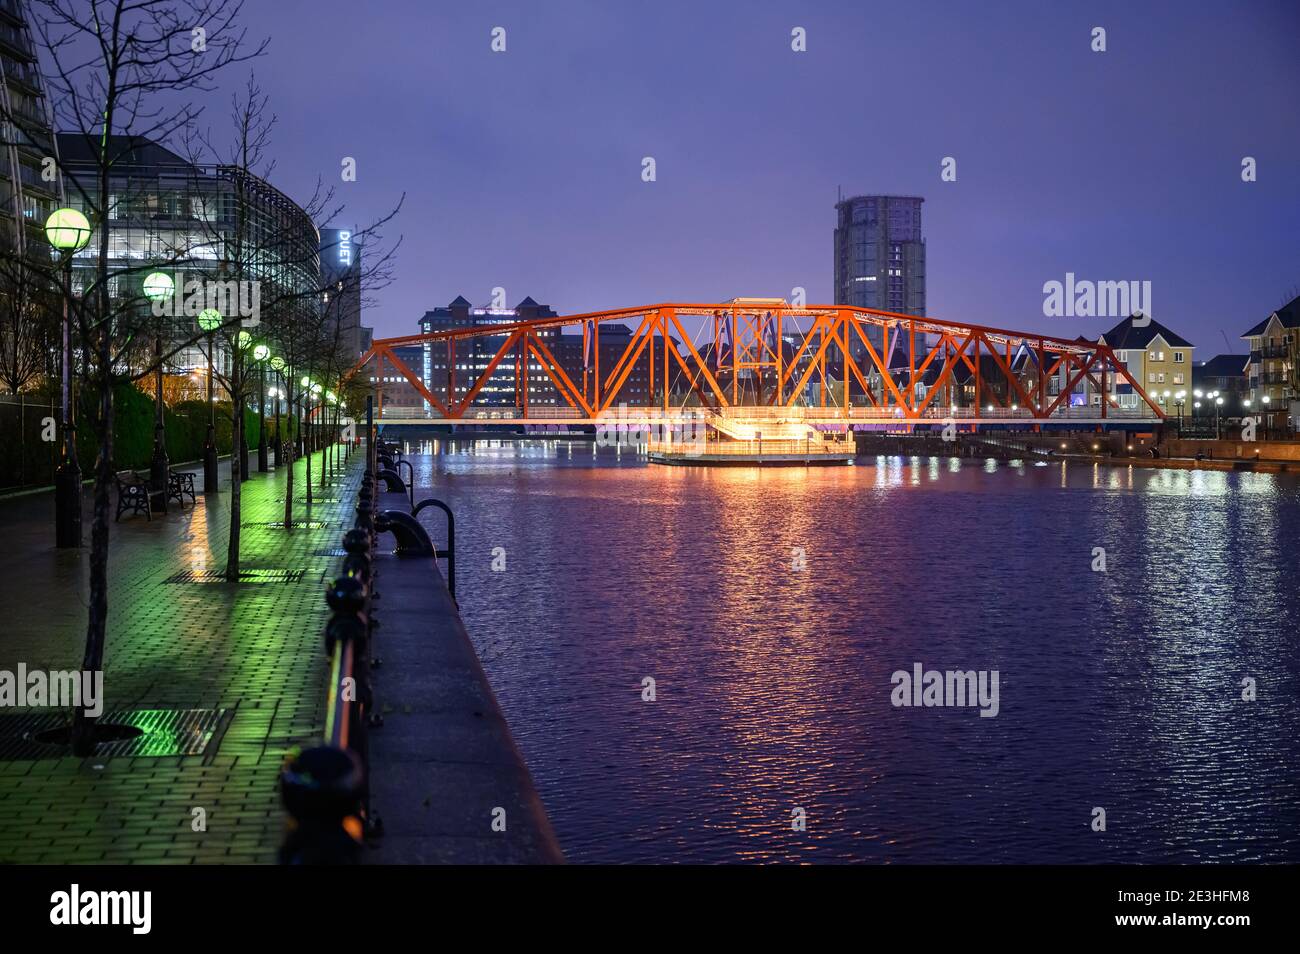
{"points": [[26, 460]]}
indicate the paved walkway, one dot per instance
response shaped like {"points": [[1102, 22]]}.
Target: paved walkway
{"points": [[253, 649]]}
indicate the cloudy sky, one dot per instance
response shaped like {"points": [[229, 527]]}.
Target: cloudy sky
{"points": [[522, 169]]}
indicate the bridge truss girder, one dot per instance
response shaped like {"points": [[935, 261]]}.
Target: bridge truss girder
{"points": [[749, 344]]}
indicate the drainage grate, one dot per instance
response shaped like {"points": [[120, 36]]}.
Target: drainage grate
{"points": [[163, 732], [330, 552], [279, 525], [255, 576]]}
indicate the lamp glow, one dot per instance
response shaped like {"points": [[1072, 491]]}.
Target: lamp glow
{"points": [[209, 319], [67, 230], [158, 286]]}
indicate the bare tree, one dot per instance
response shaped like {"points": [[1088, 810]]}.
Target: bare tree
{"points": [[281, 256], [28, 326], [118, 70]]}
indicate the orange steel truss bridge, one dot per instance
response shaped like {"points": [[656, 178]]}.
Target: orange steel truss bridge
{"points": [[760, 359]]}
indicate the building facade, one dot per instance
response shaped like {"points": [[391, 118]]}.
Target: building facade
{"points": [[1225, 373], [30, 189], [440, 366], [437, 365], [1159, 359], [880, 255], [197, 223], [1273, 368], [637, 391], [340, 279]]}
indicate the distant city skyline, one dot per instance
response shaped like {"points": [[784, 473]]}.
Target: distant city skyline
{"points": [[1121, 165]]}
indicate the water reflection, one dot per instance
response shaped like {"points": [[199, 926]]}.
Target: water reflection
{"points": [[1120, 688]]}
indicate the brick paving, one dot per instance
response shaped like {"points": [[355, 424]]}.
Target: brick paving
{"points": [[254, 649]]}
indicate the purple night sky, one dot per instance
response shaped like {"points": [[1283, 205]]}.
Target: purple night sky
{"points": [[523, 169]]}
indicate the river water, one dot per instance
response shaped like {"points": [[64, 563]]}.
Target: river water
{"points": [[772, 608]]}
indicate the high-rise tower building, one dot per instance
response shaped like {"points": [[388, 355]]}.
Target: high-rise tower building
{"points": [[880, 253], [340, 269]]}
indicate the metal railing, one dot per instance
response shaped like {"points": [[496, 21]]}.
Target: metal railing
{"points": [[450, 552], [804, 447], [326, 789], [830, 413]]}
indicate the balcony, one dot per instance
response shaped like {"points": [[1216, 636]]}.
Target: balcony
{"points": [[14, 42], [1271, 352]]}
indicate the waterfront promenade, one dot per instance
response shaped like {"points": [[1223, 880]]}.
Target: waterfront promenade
{"points": [[251, 652]]}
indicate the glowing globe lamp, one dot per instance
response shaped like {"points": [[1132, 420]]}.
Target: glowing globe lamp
{"points": [[261, 352], [158, 286], [67, 229], [210, 319]]}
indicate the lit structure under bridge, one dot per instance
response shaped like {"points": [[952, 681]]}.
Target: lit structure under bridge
{"points": [[750, 367]]}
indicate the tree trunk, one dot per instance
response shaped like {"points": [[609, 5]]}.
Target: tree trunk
{"points": [[308, 481], [288, 449], [83, 726]]}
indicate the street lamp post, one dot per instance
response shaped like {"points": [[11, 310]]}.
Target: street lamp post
{"points": [[210, 320], [158, 286], [260, 354], [67, 230], [301, 416], [273, 392], [239, 455], [277, 366]]}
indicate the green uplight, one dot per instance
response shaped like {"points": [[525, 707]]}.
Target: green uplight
{"points": [[277, 363]]}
